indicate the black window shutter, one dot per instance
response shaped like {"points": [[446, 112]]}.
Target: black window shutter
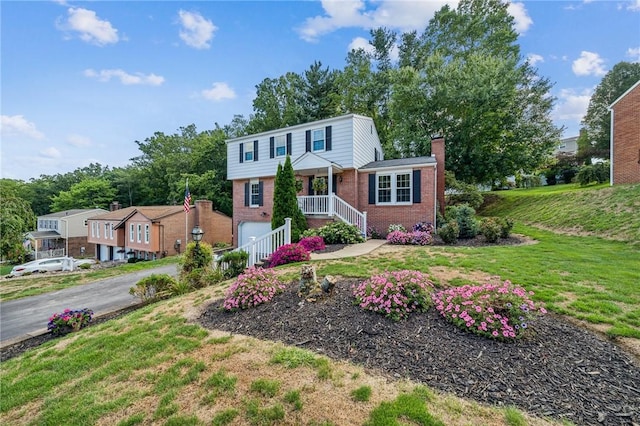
{"points": [[310, 185], [246, 194], [372, 188], [307, 136], [327, 137], [255, 150], [241, 152], [376, 156], [288, 143], [271, 146], [260, 191], [334, 183], [416, 187]]}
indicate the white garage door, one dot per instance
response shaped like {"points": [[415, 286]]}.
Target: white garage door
{"points": [[252, 229]]}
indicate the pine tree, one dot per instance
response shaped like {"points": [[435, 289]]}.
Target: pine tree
{"points": [[285, 201]]}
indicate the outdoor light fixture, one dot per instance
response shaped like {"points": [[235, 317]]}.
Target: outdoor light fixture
{"points": [[197, 234]]}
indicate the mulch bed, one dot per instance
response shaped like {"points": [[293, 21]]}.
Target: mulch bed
{"points": [[562, 371]]}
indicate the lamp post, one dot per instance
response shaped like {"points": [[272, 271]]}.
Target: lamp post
{"points": [[197, 234]]}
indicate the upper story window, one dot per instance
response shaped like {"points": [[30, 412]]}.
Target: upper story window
{"points": [[146, 233], [249, 151], [111, 231], [106, 230], [139, 232], [97, 230], [394, 188], [131, 232], [280, 145], [318, 140], [93, 229]]}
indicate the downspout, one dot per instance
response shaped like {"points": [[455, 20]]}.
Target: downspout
{"points": [[611, 150], [435, 196]]}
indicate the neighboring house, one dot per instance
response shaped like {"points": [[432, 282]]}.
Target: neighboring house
{"points": [[62, 234], [359, 186], [567, 146], [152, 232], [625, 137]]}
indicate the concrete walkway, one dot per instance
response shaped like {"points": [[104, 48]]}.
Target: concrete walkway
{"points": [[351, 250]]}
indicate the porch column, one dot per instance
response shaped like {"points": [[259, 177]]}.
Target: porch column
{"points": [[330, 190]]}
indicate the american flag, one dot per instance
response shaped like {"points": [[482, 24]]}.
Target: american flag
{"points": [[187, 199]]}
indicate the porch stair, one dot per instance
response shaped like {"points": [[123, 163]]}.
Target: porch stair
{"points": [[333, 206]]}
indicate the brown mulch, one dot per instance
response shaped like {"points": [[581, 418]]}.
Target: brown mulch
{"points": [[563, 371]]}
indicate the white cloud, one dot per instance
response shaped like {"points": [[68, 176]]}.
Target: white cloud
{"points": [[125, 78], [521, 17], [50, 152], [196, 31], [360, 43], [634, 53], [634, 6], [17, 125], [79, 141], [534, 58], [401, 15], [218, 92], [91, 29], [589, 63], [572, 105]]}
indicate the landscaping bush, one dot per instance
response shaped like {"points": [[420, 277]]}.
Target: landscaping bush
{"points": [[491, 228], [235, 261], [593, 173], [372, 232], [506, 225], [467, 224], [153, 287], [395, 294], [200, 278], [418, 238], [396, 227], [312, 244], [423, 227], [458, 193], [288, 253], [68, 321], [253, 287], [497, 310], [336, 233], [449, 232]]}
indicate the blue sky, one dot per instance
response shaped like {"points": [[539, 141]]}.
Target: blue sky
{"points": [[82, 81]]}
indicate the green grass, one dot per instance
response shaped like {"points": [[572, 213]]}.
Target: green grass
{"points": [[361, 394], [410, 406]]}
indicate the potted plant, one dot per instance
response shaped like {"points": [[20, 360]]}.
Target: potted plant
{"points": [[319, 184]]}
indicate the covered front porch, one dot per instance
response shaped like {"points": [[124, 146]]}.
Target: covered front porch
{"points": [[321, 178], [46, 244]]}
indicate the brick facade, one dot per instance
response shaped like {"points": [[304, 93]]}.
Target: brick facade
{"points": [[625, 152]]}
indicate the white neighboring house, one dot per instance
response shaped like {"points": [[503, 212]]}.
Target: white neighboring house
{"points": [[62, 234]]}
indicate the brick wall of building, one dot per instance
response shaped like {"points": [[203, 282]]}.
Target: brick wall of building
{"points": [[242, 213], [626, 138]]}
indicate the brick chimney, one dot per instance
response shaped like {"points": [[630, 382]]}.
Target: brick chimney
{"points": [[437, 151], [114, 206]]}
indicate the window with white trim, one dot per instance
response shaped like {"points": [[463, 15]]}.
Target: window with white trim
{"points": [[111, 231], [248, 151], [254, 193], [106, 231], [93, 229], [146, 233], [97, 230], [280, 145], [317, 140], [394, 188], [139, 232], [131, 232]]}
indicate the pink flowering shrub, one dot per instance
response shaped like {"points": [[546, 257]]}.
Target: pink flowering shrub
{"points": [[312, 244], [419, 238], [498, 310], [395, 294], [251, 288], [69, 320], [288, 253]]}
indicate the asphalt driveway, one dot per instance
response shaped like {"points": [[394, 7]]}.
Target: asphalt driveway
{"points": [[28, 316]]}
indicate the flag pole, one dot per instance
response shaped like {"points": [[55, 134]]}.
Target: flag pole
{"points": [[187, 207]]}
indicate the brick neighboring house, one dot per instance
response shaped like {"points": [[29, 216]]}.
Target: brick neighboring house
{"points": [[625, 137], [152, 232], [360, 187], [62, 234]]}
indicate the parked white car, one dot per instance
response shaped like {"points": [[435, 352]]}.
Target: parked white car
{"points": [[48, 265]]}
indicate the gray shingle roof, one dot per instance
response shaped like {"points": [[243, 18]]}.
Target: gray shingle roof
{"points": [[400, 162]]}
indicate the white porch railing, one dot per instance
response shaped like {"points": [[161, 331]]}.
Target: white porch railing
{"points": [[332, 205], [262, 247], [46, 254]]}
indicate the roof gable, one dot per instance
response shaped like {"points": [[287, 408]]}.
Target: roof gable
{"points": [[625, 94]]}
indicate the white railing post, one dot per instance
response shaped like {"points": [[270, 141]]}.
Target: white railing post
{"points": [[287, 230], [252, 251], [364, 224], [331, 208]]}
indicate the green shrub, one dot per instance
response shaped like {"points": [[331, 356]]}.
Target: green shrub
{"points": [[84, 266], [195, 256], [236, 262], [506, 225], [449, 232], [490, 227], [336, 233], [464, 215], [593, 173], [154, 287], [459, 193]]}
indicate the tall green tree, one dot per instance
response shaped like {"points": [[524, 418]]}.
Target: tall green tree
{"points": [[16, 218], [319, 92], [87, 194], [597, 121], [285, 201], [278, 103]]}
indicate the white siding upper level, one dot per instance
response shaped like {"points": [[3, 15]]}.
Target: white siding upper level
{"points": [[350, 141]]}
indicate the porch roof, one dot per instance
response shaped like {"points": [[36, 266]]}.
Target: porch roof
{"points": [[313, 163], [43, 235], [400, 162]]}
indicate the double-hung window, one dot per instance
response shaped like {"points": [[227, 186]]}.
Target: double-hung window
{"points": [[146, 233], [106, 231], [318, 140], [394, 188], [131, 232], [280, 143], [111, 231], [254, 192], [139, 232]]}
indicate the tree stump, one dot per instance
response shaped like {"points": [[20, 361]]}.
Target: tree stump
{"points": [[310, 289]]}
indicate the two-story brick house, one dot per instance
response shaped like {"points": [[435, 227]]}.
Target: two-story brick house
{"points": [[345, 154], [62, 234], [625, 137], [151, 232]]}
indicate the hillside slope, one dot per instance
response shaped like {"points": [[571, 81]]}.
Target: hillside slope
{"points": [[603, 211]]}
